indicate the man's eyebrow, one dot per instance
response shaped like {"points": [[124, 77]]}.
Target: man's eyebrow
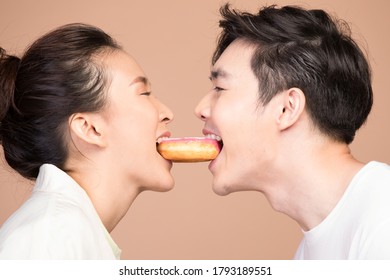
{"points": [[215, 74], [140, 79]]}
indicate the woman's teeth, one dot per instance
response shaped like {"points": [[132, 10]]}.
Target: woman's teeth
{"points": [[161, 139]]}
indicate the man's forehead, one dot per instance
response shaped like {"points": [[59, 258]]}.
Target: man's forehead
{"points": [[237, 56]]}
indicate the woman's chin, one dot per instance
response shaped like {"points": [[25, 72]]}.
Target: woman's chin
{"points": [[163, 185], [168, 185]]}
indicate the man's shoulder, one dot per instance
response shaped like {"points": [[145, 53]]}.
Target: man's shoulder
{"points": [[375, 171]]}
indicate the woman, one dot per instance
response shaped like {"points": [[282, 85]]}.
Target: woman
{"points": [[77, 115]]}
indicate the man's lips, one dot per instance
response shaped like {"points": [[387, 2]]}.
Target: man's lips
{"points": [[211, 134]]}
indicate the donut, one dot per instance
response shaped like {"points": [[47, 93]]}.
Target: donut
{"points": [[188, 149]]}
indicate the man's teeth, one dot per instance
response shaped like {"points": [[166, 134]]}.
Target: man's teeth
{"points": [[213, 136]]}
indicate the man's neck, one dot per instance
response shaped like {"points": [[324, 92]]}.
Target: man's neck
{"points": [[311, 182]]}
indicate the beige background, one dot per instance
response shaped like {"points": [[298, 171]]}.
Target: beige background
{"points": [[173, 41]]}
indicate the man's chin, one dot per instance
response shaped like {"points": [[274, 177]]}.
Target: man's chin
{"points": [[221, 189]]}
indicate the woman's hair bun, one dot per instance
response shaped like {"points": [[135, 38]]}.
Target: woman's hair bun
{"points": [[9, 65]]}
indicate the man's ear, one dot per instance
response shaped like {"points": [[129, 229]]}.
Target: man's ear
{"points": [[294, 102], [87, 127]]}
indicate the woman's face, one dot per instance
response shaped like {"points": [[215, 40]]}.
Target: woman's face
{"points": [[136, 119]]}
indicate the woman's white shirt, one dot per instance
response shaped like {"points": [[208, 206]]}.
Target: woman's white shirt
{"points": [[58, 221]]}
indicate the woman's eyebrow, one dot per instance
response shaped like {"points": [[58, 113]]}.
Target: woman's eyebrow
{"points": [[140, 79]]}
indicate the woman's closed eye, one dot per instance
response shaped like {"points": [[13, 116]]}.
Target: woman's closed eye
{"points": [[146, 93]]}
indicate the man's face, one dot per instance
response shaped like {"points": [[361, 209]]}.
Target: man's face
{"points": [[232, 110]]}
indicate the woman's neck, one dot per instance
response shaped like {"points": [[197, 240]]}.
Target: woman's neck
{"points": [[110, 193]]}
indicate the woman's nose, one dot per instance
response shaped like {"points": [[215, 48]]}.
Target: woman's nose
{"points": [[166, 115]]}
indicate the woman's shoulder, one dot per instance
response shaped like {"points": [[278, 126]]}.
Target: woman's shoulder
{"points": [[45, 229]]}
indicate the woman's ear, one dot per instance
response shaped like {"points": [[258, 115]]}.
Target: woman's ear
{"points": [[87, 127], [294, 102]]}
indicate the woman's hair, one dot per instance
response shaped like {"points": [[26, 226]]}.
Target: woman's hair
{"points": [[58, 75], [308, 50]]}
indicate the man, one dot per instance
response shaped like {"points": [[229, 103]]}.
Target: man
{"points": [[290, 90]]}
